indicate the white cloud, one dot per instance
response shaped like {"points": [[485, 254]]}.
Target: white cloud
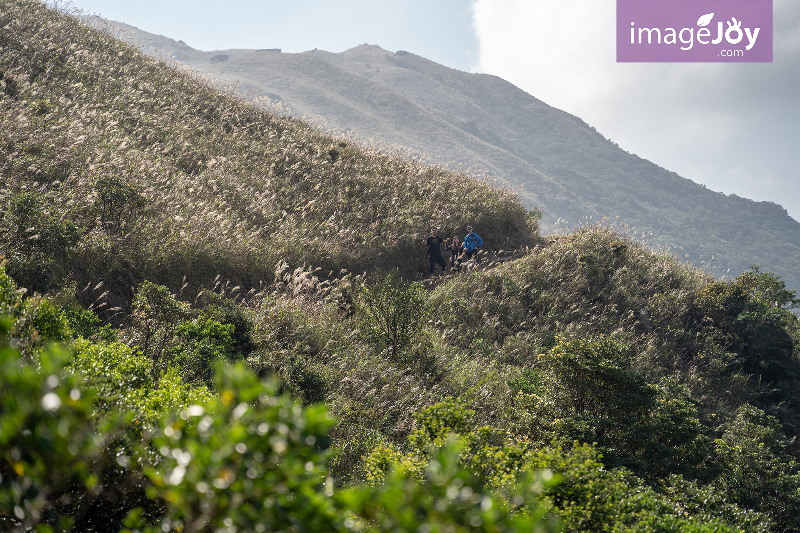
{"points": [[734, 127]]}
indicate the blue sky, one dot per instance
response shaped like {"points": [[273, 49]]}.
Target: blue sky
{"points": [[733, 127]]}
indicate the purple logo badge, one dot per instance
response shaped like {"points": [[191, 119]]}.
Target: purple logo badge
{"points": [[683, 31]]}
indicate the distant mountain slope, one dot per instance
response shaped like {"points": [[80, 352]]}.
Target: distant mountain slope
{"points": [[556, 160]]}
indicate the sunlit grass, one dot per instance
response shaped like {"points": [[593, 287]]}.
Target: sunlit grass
{"points": [[232, 187]]}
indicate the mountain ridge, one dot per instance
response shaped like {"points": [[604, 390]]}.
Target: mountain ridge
{"points": [[554, 160]]}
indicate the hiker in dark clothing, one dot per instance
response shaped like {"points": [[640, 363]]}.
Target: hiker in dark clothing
{"points": [[471, 243], [455, 250], [434, 245]]}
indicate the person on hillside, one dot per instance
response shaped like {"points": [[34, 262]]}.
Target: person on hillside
{"points": [[434, 245], [455, 250], [471, 243]]}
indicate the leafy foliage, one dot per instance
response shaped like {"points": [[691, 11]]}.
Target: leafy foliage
{"points": [[117, 202], [37, 242], [394, 310], [747, 316], [756, 472], [156, 316], [444, 497], [592, 395], [54, 465], [585, 496], [250, 461], [202, 342]]}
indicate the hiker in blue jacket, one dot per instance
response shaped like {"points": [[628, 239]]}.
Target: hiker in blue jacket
{"points": [[471, 243]]}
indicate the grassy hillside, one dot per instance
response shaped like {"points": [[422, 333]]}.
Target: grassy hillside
{"points": [[556, 160], [126, 170], [576, 383]]}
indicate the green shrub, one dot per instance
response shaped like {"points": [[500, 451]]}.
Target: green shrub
{"points": [[586, 496], [226, 311], [394, 310], [249, 462], [435, 423], [707, 504], [86, 324], [40, 322], [121, 378], [34, 322], [117, 202], [52, 460], [496, 457], [756, 472], [528, 382], [10, 294], [37, 242], [384, 458], [748, 316], [590, 393], [448, 498], [200, 343], [585, 378], [123, 381], [590, 498], [303, 379], [156, 314]]}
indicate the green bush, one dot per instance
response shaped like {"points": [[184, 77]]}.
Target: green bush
{"points": [[117, 202], [10, 294], [200, 343], [86, 324], [590, 498], [121, 378], [394, 311], [529, 382], [445, 497], [434, 424], [40, 322], [52, 463], [593, 379], [303, 379], [34, 322], [590, 393], [156, 314], [756, 472], [37, 243], [248, 461], [226, 311], [586, 496], [124, 382], [749, 316]]}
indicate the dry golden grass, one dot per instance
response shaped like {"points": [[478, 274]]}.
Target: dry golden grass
{"points": [[232, 188]]}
